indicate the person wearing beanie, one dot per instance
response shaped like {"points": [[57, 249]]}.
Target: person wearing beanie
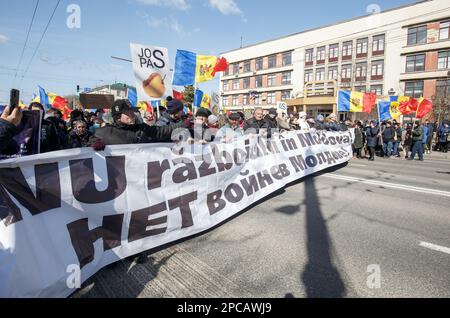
{"points": [[125, 130], [201, 132], [172, 115], [271, 119], [231, 129], [320, 122]]}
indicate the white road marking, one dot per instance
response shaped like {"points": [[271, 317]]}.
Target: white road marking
{"points": [[358, 165], [435, 247], [388, 185]]}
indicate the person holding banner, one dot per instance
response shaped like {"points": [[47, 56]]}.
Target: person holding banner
{"points": [[8, 125], [125, 130]]}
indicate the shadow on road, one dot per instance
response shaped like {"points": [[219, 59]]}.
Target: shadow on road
{"points": [[128, 278], [320, 277]]}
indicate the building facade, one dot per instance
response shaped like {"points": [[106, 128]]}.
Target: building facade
{"points": [[404, 51]]}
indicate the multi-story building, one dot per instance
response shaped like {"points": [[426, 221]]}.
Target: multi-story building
{"points": [[403, 51]]}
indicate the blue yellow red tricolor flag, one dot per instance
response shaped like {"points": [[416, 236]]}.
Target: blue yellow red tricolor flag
{"points": [[191, 68], [201, 99], [51, 100], [356, 102]]}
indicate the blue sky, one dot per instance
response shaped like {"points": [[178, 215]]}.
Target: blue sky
{"points": [[70, 57]]}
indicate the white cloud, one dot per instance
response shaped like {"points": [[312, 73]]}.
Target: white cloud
{"points": [[168, 23], [226, 7], [177, 4], [3, 38]]}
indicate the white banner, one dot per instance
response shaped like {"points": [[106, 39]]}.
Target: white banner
{"points": [[151, 71], [67, 214]]}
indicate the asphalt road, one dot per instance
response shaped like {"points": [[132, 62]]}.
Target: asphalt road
{"points": [[324, 236]]}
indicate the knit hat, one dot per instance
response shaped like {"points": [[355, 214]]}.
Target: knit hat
{"points": [[320, 117], [302, 114], [272, 111], [213, 119], [234, 116], [174, 106], [202, 112]]}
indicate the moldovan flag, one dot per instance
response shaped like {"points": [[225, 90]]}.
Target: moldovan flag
{"points": [[425, 106], [145, 106], [356, 102], [191, 68], [201, 99], [407, 105], [51, 100], [394, 108]]}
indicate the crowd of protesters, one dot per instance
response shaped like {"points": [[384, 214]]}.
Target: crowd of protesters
{"points": [[123, 124]]}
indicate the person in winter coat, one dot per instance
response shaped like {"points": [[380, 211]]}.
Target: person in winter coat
{"points": [[388, 139], [443, 133], [417, 136], [271, 119], [50, 139], [9, 121], [302, 124], [425, 137], [332, 124], [407, 140], [358, 143], [256, 123], [372, 135], [231, 129], [79, 135], [173, 114], [124, 129], [320, 123], [397, 139]]}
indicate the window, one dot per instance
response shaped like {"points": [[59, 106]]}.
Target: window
{"points": [[271, 80], [285, 95], [308, 76], [225, 85], [259, 63], [361, 71], [245, 100], [417, 35], [236, 84], [256, 99], [444, 60], [444, 31], [271, 98], [443, 88], [258, 81], [287, 59], [347, 48], [286, 78], [224, 101], [246, 83], [235, 68], [235, 100], [333, 54], [361, 89], [321, 54], [361, 47], [309, 56], [272, 61], [320, 74], [414, 89], [415, 63], [378, 44], [346, 72], [247, 67], [376, 89], [227, 71], [377, 69], [333, 73]]}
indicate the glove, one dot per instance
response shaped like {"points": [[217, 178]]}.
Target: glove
{"points": [[99, 145]]}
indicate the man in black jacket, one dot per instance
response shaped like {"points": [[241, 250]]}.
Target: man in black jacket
{"points": [[124, 130], [256, 123], [388, 139], [8, 126]]}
